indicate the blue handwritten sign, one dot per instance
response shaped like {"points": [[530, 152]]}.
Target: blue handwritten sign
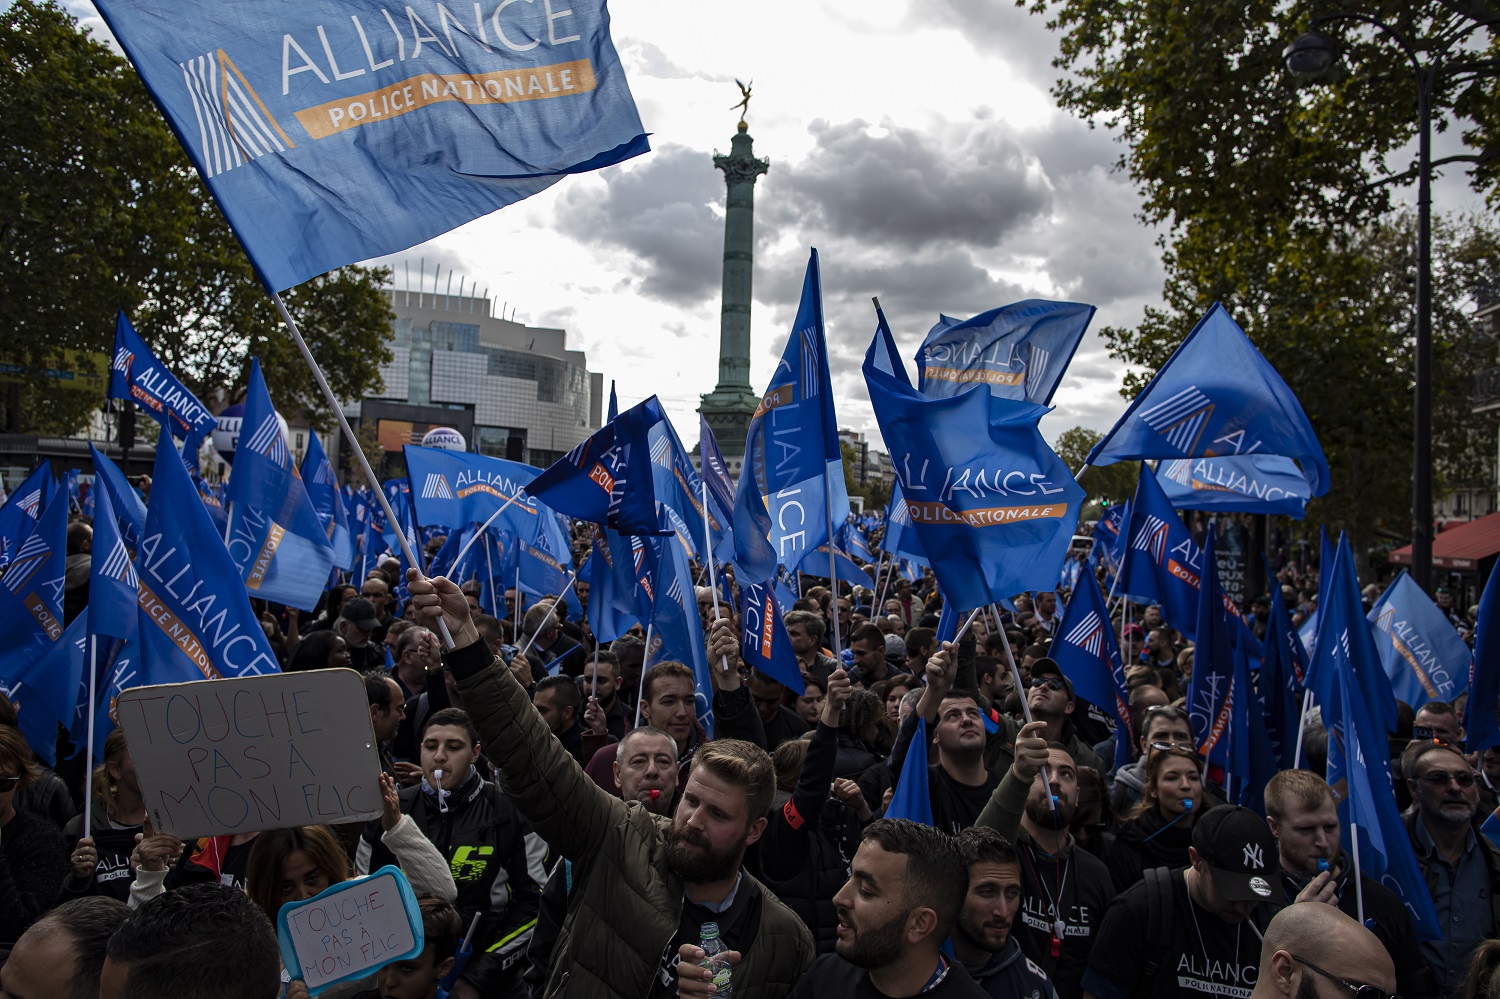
{"points": [[350, 930], [223, 756]]}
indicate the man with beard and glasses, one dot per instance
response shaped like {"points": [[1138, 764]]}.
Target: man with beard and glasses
{"points": [[643, 885], [1318, 952], [1462, 868], [1064, 890], [982, 938], [906, 885]]}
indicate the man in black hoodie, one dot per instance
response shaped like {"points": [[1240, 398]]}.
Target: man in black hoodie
{"points": [[982, 937]]}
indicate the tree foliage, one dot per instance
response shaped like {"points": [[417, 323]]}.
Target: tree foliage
{"points": [[104, 212], [1271, 200], [1107, 484]]}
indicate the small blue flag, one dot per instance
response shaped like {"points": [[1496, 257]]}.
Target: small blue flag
{"points": [[1483, 703], [124, 501], [1211, 691], [763, 639], [22, 508], [607, 480], [910, 798], [611, 602], [995, 511], [327, 501], [815, 563], [137, 375], [113, 584], [1419, 648], [455, 488], [31, 591], [679, 488], [1088, 653], [1251, 483], [714, 468], [275, 537], [45, 688], [1216, 396], [676, 628], [1344, 633], [1162, 564], [443, 564], [324, 147], [1020, 350], [791, 485]]}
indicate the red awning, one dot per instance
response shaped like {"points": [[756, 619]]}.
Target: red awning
{"points": [[1461, 547]]}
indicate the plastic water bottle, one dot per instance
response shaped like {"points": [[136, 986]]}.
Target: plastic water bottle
{"points": [[714, 960]]}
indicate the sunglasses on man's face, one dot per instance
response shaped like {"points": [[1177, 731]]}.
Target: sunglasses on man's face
{"points": [[1359, 991], [1050, 682], [9, 783], [1164, 747], [1440, 778]]}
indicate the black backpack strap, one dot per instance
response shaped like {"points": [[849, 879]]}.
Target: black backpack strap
{"points": [[1158, 921]]}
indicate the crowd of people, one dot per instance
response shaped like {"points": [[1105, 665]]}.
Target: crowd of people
{"points": [[560, 802]]}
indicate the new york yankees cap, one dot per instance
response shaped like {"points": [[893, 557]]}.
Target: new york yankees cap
{"points": [[1240, 852]]}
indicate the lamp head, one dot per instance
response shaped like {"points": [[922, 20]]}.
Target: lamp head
{"points": [[1310, 56]]}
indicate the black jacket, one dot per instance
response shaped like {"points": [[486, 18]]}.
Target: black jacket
{"points": [[1147, 842]]}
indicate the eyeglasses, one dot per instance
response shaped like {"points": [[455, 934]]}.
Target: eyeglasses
{"points": [[1050, 682], [1359, 991], [9, 783], [1440, 778], [1166, 747]]}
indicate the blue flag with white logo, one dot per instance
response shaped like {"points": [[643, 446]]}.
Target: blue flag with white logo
{"points": [[327, 501], [1216, 396], [713, 467], [1345, 633], [1419, 648], [1359, 770], [792, 483], [1019, 350], [275, 537], [995, 511], [545, 557], [137, 375], [1211, 691], [900, 537], [910, 798], [851, 539], [1251, 483], [1089, 655], [31, 591], [607, 480], [454, 488], [1483, 702], [764, 644], [676, 628], [22, 508], [1162, 563], [333, 131], [679, 488], [124, 501], [113, 586]]}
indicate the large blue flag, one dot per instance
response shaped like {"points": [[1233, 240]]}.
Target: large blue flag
{"points": [[1344, 633], [764, 644], [1162, 563], [676, 628], [124, 501], [31, 591], [1483, 702], [195, 621], [1088, 653], [454, 488], [275, 537], [791, 486], [1216, 396], [1359, 770], [607, 480], [1419, 648], [1251, 483], [995, 511], [327, 501], [1019, 350], [22, 509], [1211, 692], [612, 610], [137, 375], [347, 133], [910, 798], [900, 538], [113, 585]]}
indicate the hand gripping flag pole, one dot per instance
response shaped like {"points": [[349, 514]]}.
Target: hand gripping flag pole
{"points": [[1015, 674], [713, 581], [359, 453]]}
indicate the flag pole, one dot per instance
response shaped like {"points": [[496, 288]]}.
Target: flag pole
{"points": [[572, 578], [708, 556], [886, 586], [88, 767], [464, 549], [489, 567], [359, 453], [1302, 725], [1359, 890], [1015, 674], [833, 576], [640, 694]]}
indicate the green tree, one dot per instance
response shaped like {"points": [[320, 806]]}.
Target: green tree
{"points": [[1107, 484], [106, 213], [1272, 200]]}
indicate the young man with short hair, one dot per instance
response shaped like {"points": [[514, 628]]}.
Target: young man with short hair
{"points": [[559, 703], [867, 645], [982, 938], [645, 885]]}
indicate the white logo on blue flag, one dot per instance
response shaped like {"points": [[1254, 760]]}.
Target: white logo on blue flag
{"points": [[436, 487], [1088, 635], [233, 123], [1180, 419]]}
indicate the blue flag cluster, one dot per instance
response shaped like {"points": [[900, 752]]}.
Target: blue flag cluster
{"points": [[607, 480], [1088, 653], [345, 133], [1161, 561]]}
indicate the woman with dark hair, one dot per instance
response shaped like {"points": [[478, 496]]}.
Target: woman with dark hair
{"points": [[809, 704], [1158, 829], [320, 650], [33, 856]]}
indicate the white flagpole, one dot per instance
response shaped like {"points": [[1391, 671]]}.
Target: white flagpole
{"points": [[88, 766], [464, 550], [1015, 674], [489, 567], [359, 454], [1302, 726], [708, 556], [572, 578], [1359, 891], [640, 694]]}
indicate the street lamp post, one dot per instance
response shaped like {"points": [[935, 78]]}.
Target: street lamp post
{"points": [[1308, 58]]}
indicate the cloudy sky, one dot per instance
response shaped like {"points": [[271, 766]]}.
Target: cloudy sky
{"points": [[915, 144]]}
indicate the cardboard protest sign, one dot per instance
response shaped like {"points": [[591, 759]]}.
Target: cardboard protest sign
{"points": [[350, 930], [225, 756]]}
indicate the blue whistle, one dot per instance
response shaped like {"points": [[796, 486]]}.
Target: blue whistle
{"points": [[1187, 804], [1322, 864]]}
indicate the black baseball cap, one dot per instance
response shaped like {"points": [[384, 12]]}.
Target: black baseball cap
{"points": [[1240, 852], [361, 613], [1048, 667]]}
